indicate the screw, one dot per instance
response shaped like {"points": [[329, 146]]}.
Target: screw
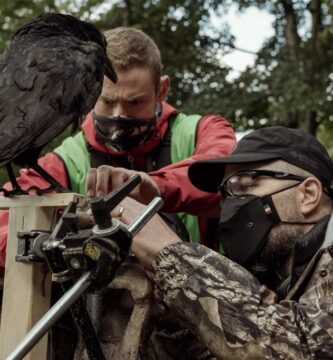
{"points": [[75, 263]]}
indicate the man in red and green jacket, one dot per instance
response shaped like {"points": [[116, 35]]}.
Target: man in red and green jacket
{"points": [[133, 127]]}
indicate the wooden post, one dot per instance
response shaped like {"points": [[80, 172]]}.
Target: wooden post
{"points": [[27, 286]]}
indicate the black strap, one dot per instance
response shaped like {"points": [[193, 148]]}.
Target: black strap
{"points": [[156, 159], [160, 156], [98, 158]]}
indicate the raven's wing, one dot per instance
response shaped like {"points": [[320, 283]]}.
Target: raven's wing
{"points": [[44, 86]]}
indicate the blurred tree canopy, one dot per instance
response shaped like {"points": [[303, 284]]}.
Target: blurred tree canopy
{"points": [[290, 83], [181, 29]]}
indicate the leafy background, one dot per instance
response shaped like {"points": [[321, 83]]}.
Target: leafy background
{"points": [[291, 82]]}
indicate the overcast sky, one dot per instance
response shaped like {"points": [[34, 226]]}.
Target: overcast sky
{"points": [[250, 29]]}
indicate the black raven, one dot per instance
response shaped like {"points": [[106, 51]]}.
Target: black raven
{"points": [[51, 74]]}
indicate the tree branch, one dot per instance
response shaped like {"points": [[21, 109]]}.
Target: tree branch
{"points": [[240, 49], [293, 40], [315, 9], [127, 16]]}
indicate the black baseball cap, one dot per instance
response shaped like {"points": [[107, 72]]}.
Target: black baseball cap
{"points": [[276, 142]]}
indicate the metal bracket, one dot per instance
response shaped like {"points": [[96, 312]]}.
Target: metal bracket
{"points": [[27, 245]]}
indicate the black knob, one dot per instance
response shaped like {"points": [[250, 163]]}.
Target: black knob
{"points": [[101, 213], [71, 221]]}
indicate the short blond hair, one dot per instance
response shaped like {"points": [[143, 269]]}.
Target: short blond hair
{"points": [[128, 47]]}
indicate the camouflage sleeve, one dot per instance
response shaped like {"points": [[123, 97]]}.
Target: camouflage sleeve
{"points": [[232, 313]]}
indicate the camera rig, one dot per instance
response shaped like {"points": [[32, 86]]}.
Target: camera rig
{"points": [[81, 259]]}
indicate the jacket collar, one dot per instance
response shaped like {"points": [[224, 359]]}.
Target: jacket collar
{"points": [[89, 130], [307, 251], [310, 243]]}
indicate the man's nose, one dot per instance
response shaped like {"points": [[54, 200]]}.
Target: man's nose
{"points": [[118, 110]]}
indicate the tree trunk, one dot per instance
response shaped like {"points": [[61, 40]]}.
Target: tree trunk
{"points": [[292, 36], [308, 121], [292, 118], [308, 118], [127, 16], [315, 9]]}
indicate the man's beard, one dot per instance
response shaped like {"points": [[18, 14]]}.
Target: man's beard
{"points": [[277, 252]]}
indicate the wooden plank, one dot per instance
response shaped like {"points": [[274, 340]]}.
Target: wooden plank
{"points": [[53, 200], [26, 294]]}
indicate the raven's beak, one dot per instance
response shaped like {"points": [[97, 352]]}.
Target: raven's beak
{"points": [[109, 70]]}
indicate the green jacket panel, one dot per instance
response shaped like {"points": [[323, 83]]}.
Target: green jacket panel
{"points": [[183, 137], [76, 157]]}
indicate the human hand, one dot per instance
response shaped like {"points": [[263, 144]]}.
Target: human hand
{"points": [[105, 179], [85, 219], [152, 238]]}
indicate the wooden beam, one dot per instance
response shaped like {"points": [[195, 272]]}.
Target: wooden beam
{"points": [[50, 200], [27, 287]]}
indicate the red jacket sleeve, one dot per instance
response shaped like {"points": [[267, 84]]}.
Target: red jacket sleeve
{"points": [[28, 177], [215, 138]]}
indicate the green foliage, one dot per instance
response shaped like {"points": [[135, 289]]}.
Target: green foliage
{"points": [[181, 29], [290, 83], [187, 42], [14, 13], [325, 135]]}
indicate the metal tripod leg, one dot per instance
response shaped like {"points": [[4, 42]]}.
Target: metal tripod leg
{"points": [[46, 322]]}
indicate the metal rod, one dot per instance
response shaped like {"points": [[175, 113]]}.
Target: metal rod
{"points": [[140, 221], [46, 322], [73, 294]]}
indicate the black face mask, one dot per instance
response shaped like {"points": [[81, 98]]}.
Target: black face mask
{"points": [[245, 223], [123, 133]]}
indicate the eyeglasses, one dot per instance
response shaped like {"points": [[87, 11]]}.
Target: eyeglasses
{"points": [[240, 183]]}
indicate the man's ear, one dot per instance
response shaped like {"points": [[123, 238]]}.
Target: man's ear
{"points": [[311, 192], [163, 88]]}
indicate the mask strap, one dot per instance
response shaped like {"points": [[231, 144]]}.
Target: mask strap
{"points": [[299, 222], [137, 121], [293, 222], [287, 188], [158, 109]]}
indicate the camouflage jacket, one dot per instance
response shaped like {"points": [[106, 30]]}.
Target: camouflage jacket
{"points": [[236, 317]]}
